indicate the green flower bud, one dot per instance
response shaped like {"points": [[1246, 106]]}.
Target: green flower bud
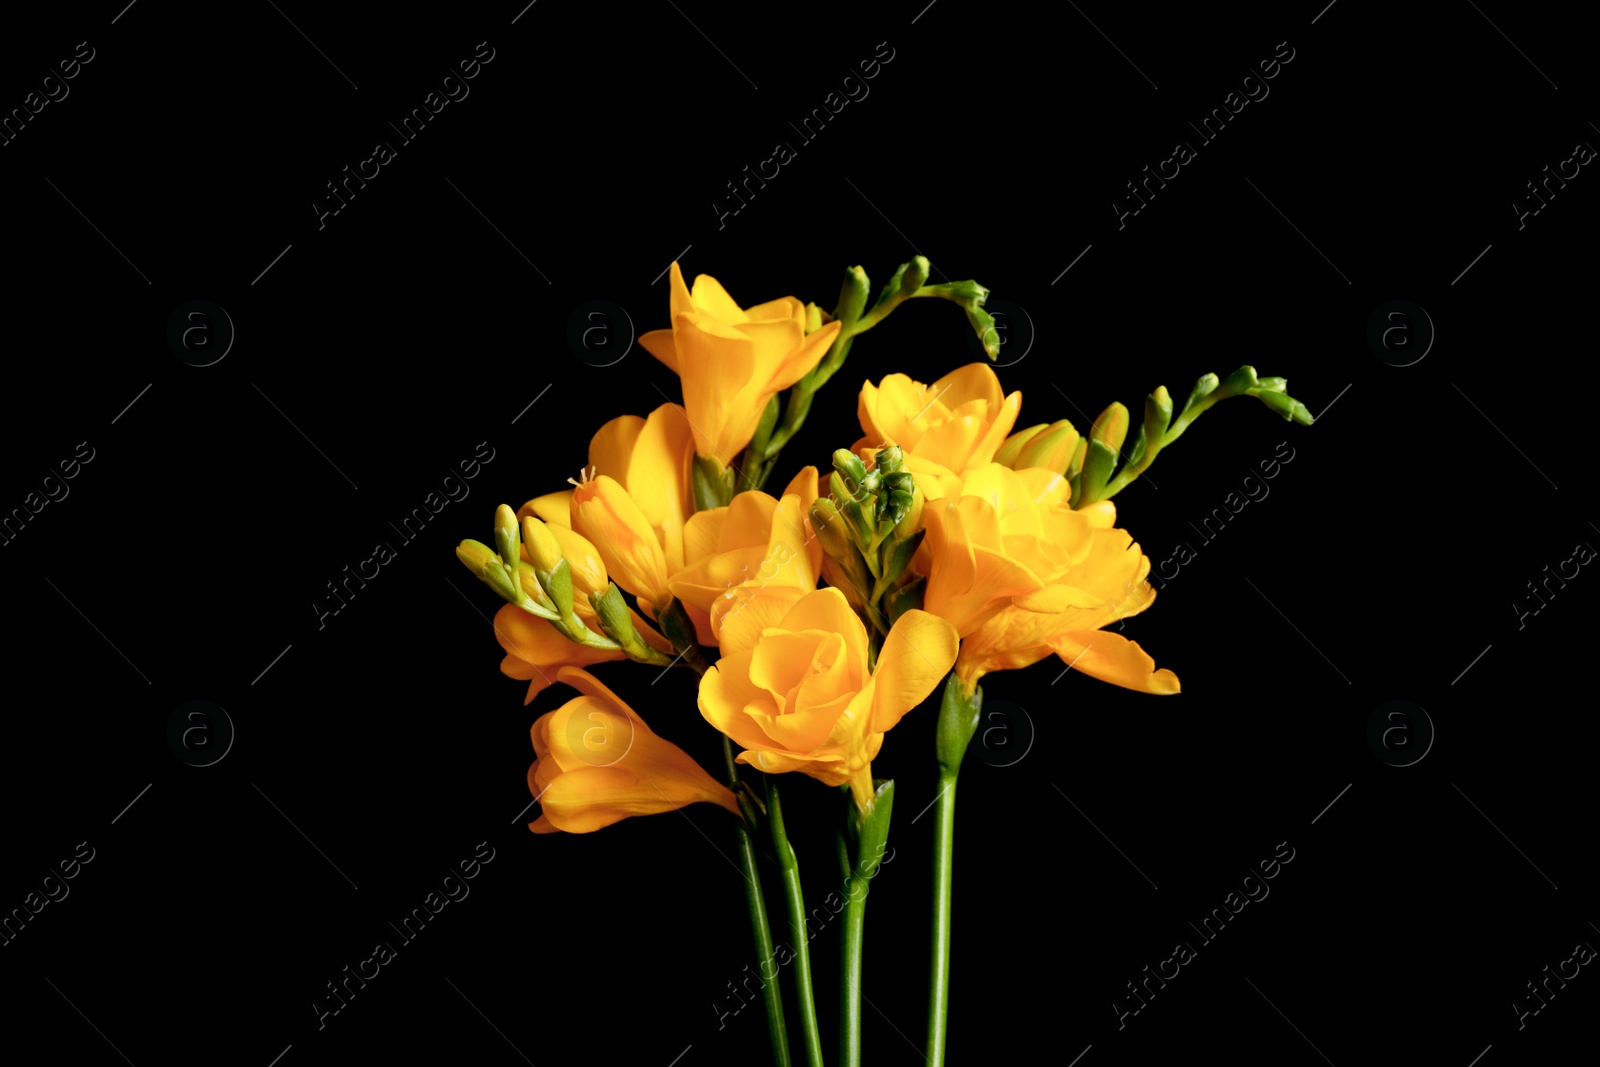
{"points": [[889, 460], [1285, 405], [852, 296], [830, 527], [1157, 414], [850, 467], [486, 566], [894, 499], [1237, 382], [914, 276], [1098, 464], [911, 521], [505, 537], [1202, 389], [616, 622]]}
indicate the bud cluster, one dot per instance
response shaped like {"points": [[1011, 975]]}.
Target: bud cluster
{"points": [[541, 585], [870, 526], [1091, 471]]}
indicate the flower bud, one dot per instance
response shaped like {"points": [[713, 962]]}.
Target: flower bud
{"points": [[1157, 415], [1009, 452], [1098, 463], [1286, 405], [830, 527], [815, 319], [486, 566], [1052, 449], [505, 537], [911, 521], [1111, 428], [852, 295], [894, 499], [1202, 389], [849, 466], [1237, 382], [542, 546], [915, 275], [616, 622]]}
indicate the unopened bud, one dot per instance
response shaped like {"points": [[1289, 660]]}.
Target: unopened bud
{"points": [[1111, 428], [486, 566]]}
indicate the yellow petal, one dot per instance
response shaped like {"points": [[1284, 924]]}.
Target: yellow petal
{"points": [[739, 616], [915, 657], [553, 508], [611, 448], [701, 535], [659, 343], [1113, 658], [535, 651], [735, 705], [658, 477], [828, 610], [710, 297]]}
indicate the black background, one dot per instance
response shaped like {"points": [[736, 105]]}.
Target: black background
{"points": [[413, 325]]}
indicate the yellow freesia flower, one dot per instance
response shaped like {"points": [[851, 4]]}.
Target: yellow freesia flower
{"points": [[634, 499], [749, 562], [945, 429], [598, 763], [802, 699], [603, 512], [1021, 575], [732, 360]]}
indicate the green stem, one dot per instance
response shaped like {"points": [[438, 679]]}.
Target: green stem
{"points": [[755, 903], [944, 815], [871, 838], [681, 631], [789, 864], [958, 721], [855, 920]]}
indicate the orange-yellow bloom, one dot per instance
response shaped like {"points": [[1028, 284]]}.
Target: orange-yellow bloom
{"points": [[1021, 575], [536, 651], [603, 512], [635, 499], [598, 763], [801, 699], [945, 429], [749, 562], [733, 360]]}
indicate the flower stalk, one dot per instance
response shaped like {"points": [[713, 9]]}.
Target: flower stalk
{"points": [[681, 631], [958, 720], [855, 318], [869, 831], [789, 865]]}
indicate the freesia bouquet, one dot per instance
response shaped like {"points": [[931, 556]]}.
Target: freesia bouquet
{"points": [[942, 545]]}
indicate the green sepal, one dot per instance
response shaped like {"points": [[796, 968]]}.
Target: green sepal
{"points": [[557, 585], [713, 485], [958, 721], [1098, 464]]}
